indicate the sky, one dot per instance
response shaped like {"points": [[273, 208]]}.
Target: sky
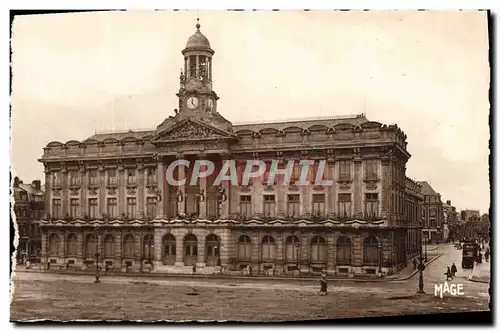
{"points": [[428, 72]]}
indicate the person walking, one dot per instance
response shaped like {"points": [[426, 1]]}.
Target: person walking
{"points": [[453, 270], [487, 254], [324, 285], [448, 274], [414, 263]]}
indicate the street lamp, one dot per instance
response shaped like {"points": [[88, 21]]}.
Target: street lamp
{"points": [[426, 239], [379, 246], [96, 234]]}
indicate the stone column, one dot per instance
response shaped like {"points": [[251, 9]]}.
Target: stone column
{"points": [[331, 191], [201, 250], [203, 189], [181, 189], [43, 252], [358, 188], [65, 191], [227, 248], [304, 253], [141, 202], [158, 245], [121, 190], [357, 259], [385, 190], [226, 185], [179, 247], [102, 191], [332, 253], [118, 249], [160, 206], [48, 193], [280, 253], [83, 192]]}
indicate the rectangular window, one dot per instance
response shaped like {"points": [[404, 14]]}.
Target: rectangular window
{"points": [[56, 179], [151, 176], [295, 172], [344, 205], [131, 177], [246, 206], [344, 170], [371, 169], [93, 178], [131, 207], [318, 205], [112, 179], [56, 208], [293, 205], [93, 208], [371, 205], [269, 204], [151, 207], [74, 207], [112, 207], [74, 179]]}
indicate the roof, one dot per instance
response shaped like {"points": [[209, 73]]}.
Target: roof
{"points": [[427, 189], [122, 134], [30, 189], [198, 40], [302, 123]]}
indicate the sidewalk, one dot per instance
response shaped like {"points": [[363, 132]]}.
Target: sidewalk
{"points": [[481, 273], [402, 275]]}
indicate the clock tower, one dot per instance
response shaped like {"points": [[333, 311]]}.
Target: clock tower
{"points": [[196, 97]]}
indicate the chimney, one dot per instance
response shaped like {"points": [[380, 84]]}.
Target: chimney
{"points": [[37, 184], [16, 182], [448, 202]]}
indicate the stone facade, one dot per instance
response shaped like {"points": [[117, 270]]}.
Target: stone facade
{"points": [[432, 214], [29, 210], [108, 193]]}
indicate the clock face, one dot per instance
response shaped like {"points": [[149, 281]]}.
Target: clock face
{"points": [[210, 104], [192, 102]]}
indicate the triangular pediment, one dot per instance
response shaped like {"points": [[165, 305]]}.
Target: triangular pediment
{"points": [[191, 130]]}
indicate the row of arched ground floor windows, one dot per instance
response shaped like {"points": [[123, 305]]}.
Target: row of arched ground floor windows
{"points": [[291, 251]]}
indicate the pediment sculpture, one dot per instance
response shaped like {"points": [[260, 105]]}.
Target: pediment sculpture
{"points": [[190, 130]]}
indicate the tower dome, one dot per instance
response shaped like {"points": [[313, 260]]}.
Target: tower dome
{"points": [[198, 41]]}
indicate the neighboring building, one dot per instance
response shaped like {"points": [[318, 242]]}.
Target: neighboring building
{"points": [[432, 213], [470, 215], [29, 208], [108, 194], [413, 212], [450, 222]]}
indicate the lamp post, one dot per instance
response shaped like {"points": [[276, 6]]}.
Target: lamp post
{"points": [[96, 234], [379, 246], [426, 239]]}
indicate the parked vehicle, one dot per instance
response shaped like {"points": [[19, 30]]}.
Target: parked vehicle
{"points": [[469, 255]]}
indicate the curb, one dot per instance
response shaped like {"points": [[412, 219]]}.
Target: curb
{"points": [[416, 271], [471, 277], [207, 276]]}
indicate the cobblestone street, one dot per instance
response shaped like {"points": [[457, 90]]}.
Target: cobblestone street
{"points": [[66, 297]]}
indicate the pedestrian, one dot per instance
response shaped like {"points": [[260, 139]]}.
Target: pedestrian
{"points": [[448, 274], [414, 263], [324, 286], [194, 269], [453, 270], [487, 254]]}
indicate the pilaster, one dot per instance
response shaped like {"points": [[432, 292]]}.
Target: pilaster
{"points": [[83, 191], [65, 191], [102, 191], [121, 190], [357, 187], [160, 207], [141, 203], [181, 189]]}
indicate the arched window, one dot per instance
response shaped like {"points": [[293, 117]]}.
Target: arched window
{"points": [[268, 248], [244, 248], [72, 245], [292, 244], [212, 244], [108, 246], [169, 252], [319, 250], [370, 251], [128, 246], [343, 251], [90, 247], [54, 245], [190, 249], [148, 247]]}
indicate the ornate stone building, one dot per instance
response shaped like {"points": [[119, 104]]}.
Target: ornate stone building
{"points": [[108, 194], [432, 214], [29, 210]]}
